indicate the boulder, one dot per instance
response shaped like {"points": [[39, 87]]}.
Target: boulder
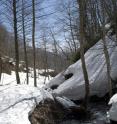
{"points": [[70, 83], [47, 112]]}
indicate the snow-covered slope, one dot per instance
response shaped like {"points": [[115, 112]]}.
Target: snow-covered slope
{"points": [[17, 101], [74, 87]]}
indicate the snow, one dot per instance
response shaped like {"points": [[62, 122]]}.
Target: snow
{"points": [[57, 80], [113, 99], [65, 102], [107, 26], [11, 79], [17, 101], [113, 109], [74, 87]]}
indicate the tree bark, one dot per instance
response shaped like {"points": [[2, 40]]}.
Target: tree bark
{"points": [[108, 66], [107, 58], [16, 42], [0, 67], [82, 39], [24, 41], [33, 42]]}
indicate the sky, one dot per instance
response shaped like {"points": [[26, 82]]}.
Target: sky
{"points": [[48, 5], [50, 21], [50, 8]]}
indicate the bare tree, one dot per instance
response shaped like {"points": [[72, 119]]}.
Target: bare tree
{"points": [[54, 50], [16, 41], [107, 58], [24, 40], [46, 56], [81, 4], [33, 42]]}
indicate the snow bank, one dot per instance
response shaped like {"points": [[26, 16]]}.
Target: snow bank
{"points": [[74, 87], [113, 109], [17, 101]]}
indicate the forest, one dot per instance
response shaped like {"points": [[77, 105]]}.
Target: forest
{"points": [[58, 61]]}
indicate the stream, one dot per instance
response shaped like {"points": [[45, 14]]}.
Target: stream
{"points": [[98, 115]]}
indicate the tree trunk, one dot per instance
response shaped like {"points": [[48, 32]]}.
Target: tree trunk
{"points": [[108, 66], [24, 41], [33, 42], [55, 51], [107, 58], [82, 38], [16, 42], [0, 67]]}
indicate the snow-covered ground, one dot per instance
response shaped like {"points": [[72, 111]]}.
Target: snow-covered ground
{"points": [[74, 87], [11, 79], [16, 101], [113, 109]]}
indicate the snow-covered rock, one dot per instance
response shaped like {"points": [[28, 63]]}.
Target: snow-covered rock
{"points": [[74, 87], [113, 109], [59, 79], [107, 26], [67, 103], [113, 99], [17, 101]]}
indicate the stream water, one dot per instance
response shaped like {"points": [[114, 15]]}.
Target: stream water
{"points": [[98, 115]]}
